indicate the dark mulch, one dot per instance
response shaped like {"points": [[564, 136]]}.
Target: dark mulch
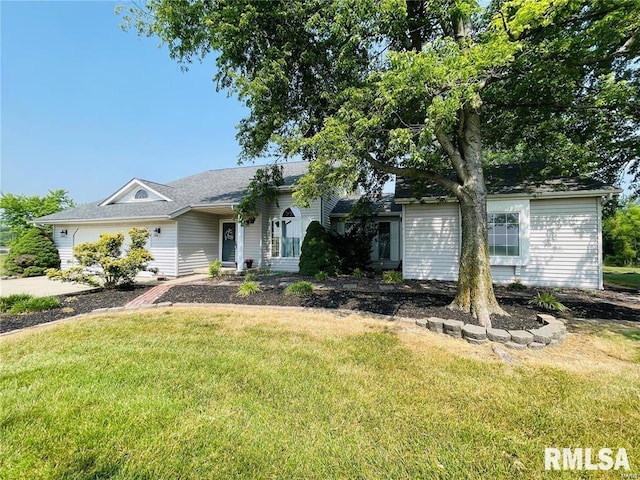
{"points": [[70, 305], [402, 302], [413, 299]]}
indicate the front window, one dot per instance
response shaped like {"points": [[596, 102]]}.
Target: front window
{"points": [[286, 234], [141, 194], [504, 234]]}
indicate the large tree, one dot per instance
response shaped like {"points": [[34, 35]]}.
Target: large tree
{"points": [[18, 211], [365, 89]]}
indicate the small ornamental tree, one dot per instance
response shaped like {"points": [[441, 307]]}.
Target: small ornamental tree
{"points": [[115, 267], [317, 253], [32, 253]]}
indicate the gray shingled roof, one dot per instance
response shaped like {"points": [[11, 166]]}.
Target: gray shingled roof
{"points": [[386, 204], [210, 188], [524, 179]]}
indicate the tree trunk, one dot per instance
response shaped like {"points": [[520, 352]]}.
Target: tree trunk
{"points": [[475, 293]]}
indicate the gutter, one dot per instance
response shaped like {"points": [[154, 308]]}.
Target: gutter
{"points": [[516, 196]]}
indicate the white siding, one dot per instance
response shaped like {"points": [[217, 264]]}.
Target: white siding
{"points": [[162, 246], [431, 242], [197, 241], [327, 207], [253, 241], [564, 244]]}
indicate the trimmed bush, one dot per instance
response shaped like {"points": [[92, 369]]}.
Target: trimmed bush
{"points": [[322, 275], [299, 289], [355, 244], [32, 249], [34, 272], [317, 252]]}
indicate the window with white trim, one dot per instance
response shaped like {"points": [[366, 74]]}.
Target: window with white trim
{"points": [[286, 234], [141, 194], [504, 234]]}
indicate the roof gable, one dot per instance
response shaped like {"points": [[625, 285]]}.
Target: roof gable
{"points": [[137, 190]]}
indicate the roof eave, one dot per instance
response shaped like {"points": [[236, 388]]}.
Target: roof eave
{"points": [[71, 221], [519, 196]]}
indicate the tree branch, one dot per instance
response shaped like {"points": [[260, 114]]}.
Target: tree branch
{"points": [[409, 172], [454, 155]]}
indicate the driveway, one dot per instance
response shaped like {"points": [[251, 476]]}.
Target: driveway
{"points": [[39, 287]]}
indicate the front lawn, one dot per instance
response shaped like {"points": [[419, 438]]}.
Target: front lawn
{"points": [[622, 276], [257, 393]]}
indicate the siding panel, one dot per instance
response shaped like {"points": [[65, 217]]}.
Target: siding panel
{"points": [[197, 241], [431, 242], [564, 244]]}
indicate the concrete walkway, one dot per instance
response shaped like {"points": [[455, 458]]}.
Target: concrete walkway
{"points": [[39, 287], [43, 286]]}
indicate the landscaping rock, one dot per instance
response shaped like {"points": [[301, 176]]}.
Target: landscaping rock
{"points": [[521, 337], [476, 341], [515, 346], [453, 328], [474, 332], [435, 324], [387, 288], [542, 335], [544, 318], [421, 322], [537, 345], [498, 335], [504, 356], [350, 287]]}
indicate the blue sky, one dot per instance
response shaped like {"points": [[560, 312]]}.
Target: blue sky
{"points": [[86, 106]]}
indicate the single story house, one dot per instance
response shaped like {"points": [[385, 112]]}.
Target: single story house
{"points": [[545, 233]]}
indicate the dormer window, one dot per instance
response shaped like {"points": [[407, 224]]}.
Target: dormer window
{"points": [[141, 194]]}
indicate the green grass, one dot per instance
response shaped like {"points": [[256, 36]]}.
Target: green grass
{"points": [[236, 394], [623, 276]]}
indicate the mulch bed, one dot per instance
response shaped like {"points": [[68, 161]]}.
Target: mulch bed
{"points": [[70, 305], [413, 299]]}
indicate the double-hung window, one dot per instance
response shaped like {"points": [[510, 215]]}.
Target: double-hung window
{"points": [[504, 234], [508, 231]]}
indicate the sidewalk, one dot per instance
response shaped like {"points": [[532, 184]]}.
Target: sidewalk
{"points": [[43, 286]]}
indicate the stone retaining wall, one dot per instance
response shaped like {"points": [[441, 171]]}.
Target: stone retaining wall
{"points": [[551, 333]]}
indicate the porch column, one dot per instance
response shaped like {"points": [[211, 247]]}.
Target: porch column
{"points": [[240, 247]]}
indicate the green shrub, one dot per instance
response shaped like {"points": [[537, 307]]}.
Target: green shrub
{"points": [[247, 288], [31, 249], [357, 273], [299, 289], [354, 246], [215, 269], [250, 277], [22, 303], [321, 275], [548, 301], [317, 253], [391, 276], [33, 272]]}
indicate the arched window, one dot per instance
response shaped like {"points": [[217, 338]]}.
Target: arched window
{"points": [[141, 194], [286, 233]]}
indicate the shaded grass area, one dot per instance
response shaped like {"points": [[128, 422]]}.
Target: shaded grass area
{"points": [[214, 393], [622, 276]]}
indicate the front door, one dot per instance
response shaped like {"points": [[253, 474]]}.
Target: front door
{"points": [[228, 242]]}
